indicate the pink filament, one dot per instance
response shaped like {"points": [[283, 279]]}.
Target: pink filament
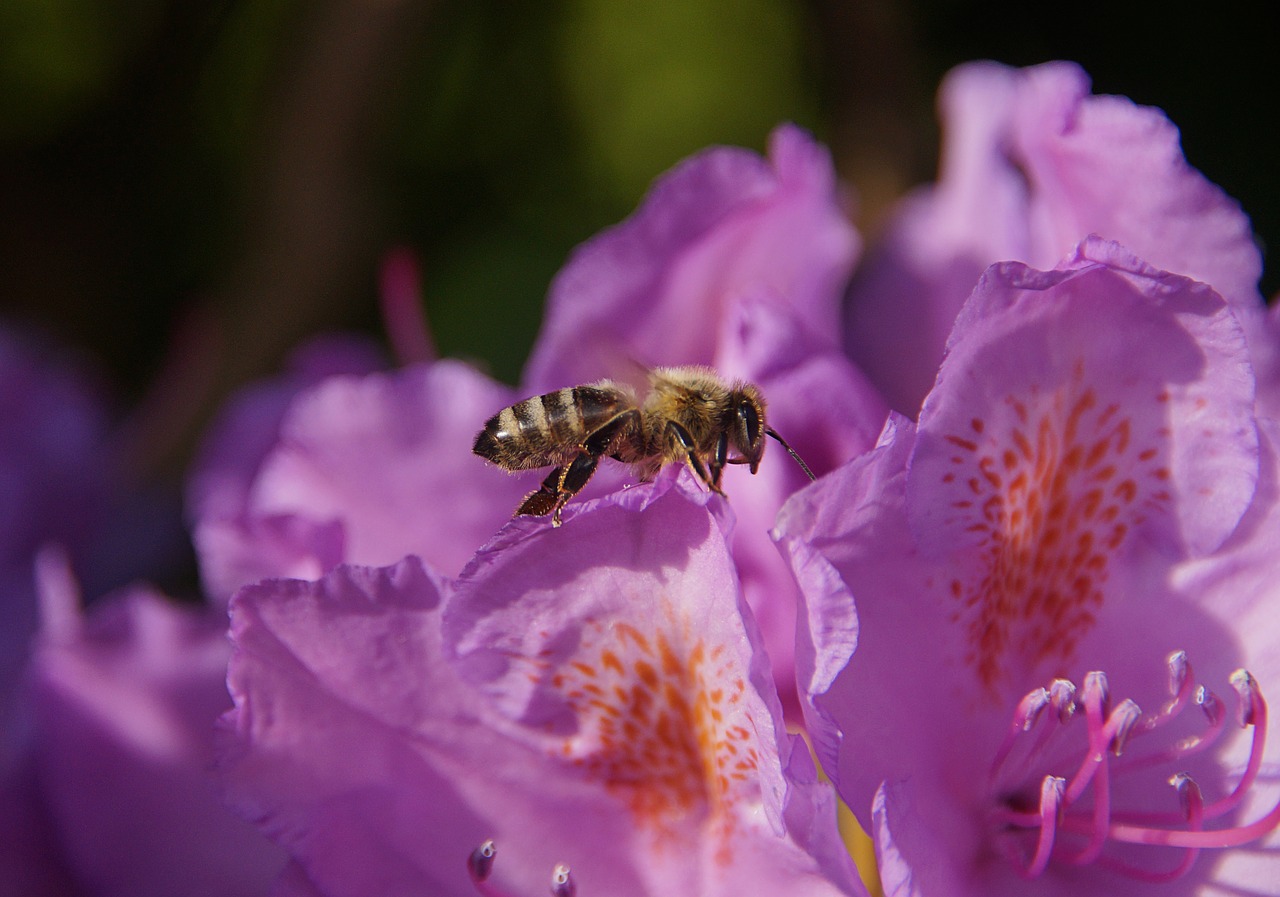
{"points": [[1107, 733]]}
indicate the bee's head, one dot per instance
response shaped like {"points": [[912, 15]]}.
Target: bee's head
{"points": [[747, 428]]}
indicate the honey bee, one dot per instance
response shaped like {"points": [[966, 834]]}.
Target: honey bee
{"points": [[689, 415]]}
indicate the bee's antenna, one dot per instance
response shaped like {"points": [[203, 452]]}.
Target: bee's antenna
{"points": [[769, 431]]}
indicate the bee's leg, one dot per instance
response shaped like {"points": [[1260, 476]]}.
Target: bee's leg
{"points": [[719, 459], [546, 499], [680, 436], [568, 480], [561, 484], [576, 475]]}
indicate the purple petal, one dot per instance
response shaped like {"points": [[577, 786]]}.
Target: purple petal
{"points": [[725, 222], [1032, 165], [249, 426], [827, 412], [390, 456], [983, 564], [123, 717], [55, 478], [642, 671], [878, 712], [353, 667], [1137, 382], [367, 470], [248, 548], [342, 705], [913, 846]]}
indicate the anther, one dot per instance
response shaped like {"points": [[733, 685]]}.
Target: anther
{"points": [[1095, 693], [480, 863], [562, 882], [1247, 689], [1062, 697], [1189, 796], [480, 867], [1121, 723], [1178, 671], [1024, 717], [1212, 706], [1182, 687]]}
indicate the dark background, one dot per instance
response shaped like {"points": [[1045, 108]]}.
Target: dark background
{"points": [[189, 187]]}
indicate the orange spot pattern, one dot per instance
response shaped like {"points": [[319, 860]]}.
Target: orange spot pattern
{"points": [[663, 726], [1049, 507]]}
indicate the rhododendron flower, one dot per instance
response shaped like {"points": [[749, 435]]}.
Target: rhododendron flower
{"points": [[363, 469], [589, 706], [1060, 577], [339, 460], [54, 482], [1031, 165], [114, 791], [737, 262]]}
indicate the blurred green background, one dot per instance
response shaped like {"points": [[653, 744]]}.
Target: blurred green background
{"points": [[191, 186]]}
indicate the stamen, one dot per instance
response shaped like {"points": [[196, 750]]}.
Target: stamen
{"points": [[1080, 806], [1179, 673], [1247, 689], [480, 867], [1121, 724], [1104, 739], [1212, 707], [1181, 688], [1062, 696], [562, 883], [1094, 697], [1052, 790], [1252, 712], [1062, 701], [1192, 802], [1096, 692], [1029, 709], [480, 864]]}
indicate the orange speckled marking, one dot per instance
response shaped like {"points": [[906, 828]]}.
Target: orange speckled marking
{"points": [[1052, 499], [669, 734]]}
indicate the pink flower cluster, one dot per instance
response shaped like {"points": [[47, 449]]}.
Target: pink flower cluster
{"points": [[1027, 618]]}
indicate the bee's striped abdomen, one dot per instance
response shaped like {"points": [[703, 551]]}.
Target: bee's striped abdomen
{"points": [[548, 429]]}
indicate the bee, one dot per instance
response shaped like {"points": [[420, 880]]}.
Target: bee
{"points": [[690, 415]]}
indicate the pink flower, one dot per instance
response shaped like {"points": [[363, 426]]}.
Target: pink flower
{"points": [[366, 469], [112, 792], [55, 481], [1078, 537], [591, 696], [338, 461], [1032, 164]]}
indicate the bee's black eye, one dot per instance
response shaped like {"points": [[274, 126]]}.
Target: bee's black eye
{"points": [[750, 422]]}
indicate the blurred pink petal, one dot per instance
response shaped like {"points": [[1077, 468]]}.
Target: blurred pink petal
{"points": [[119, 756], [359, 469], [1032, 165]]}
